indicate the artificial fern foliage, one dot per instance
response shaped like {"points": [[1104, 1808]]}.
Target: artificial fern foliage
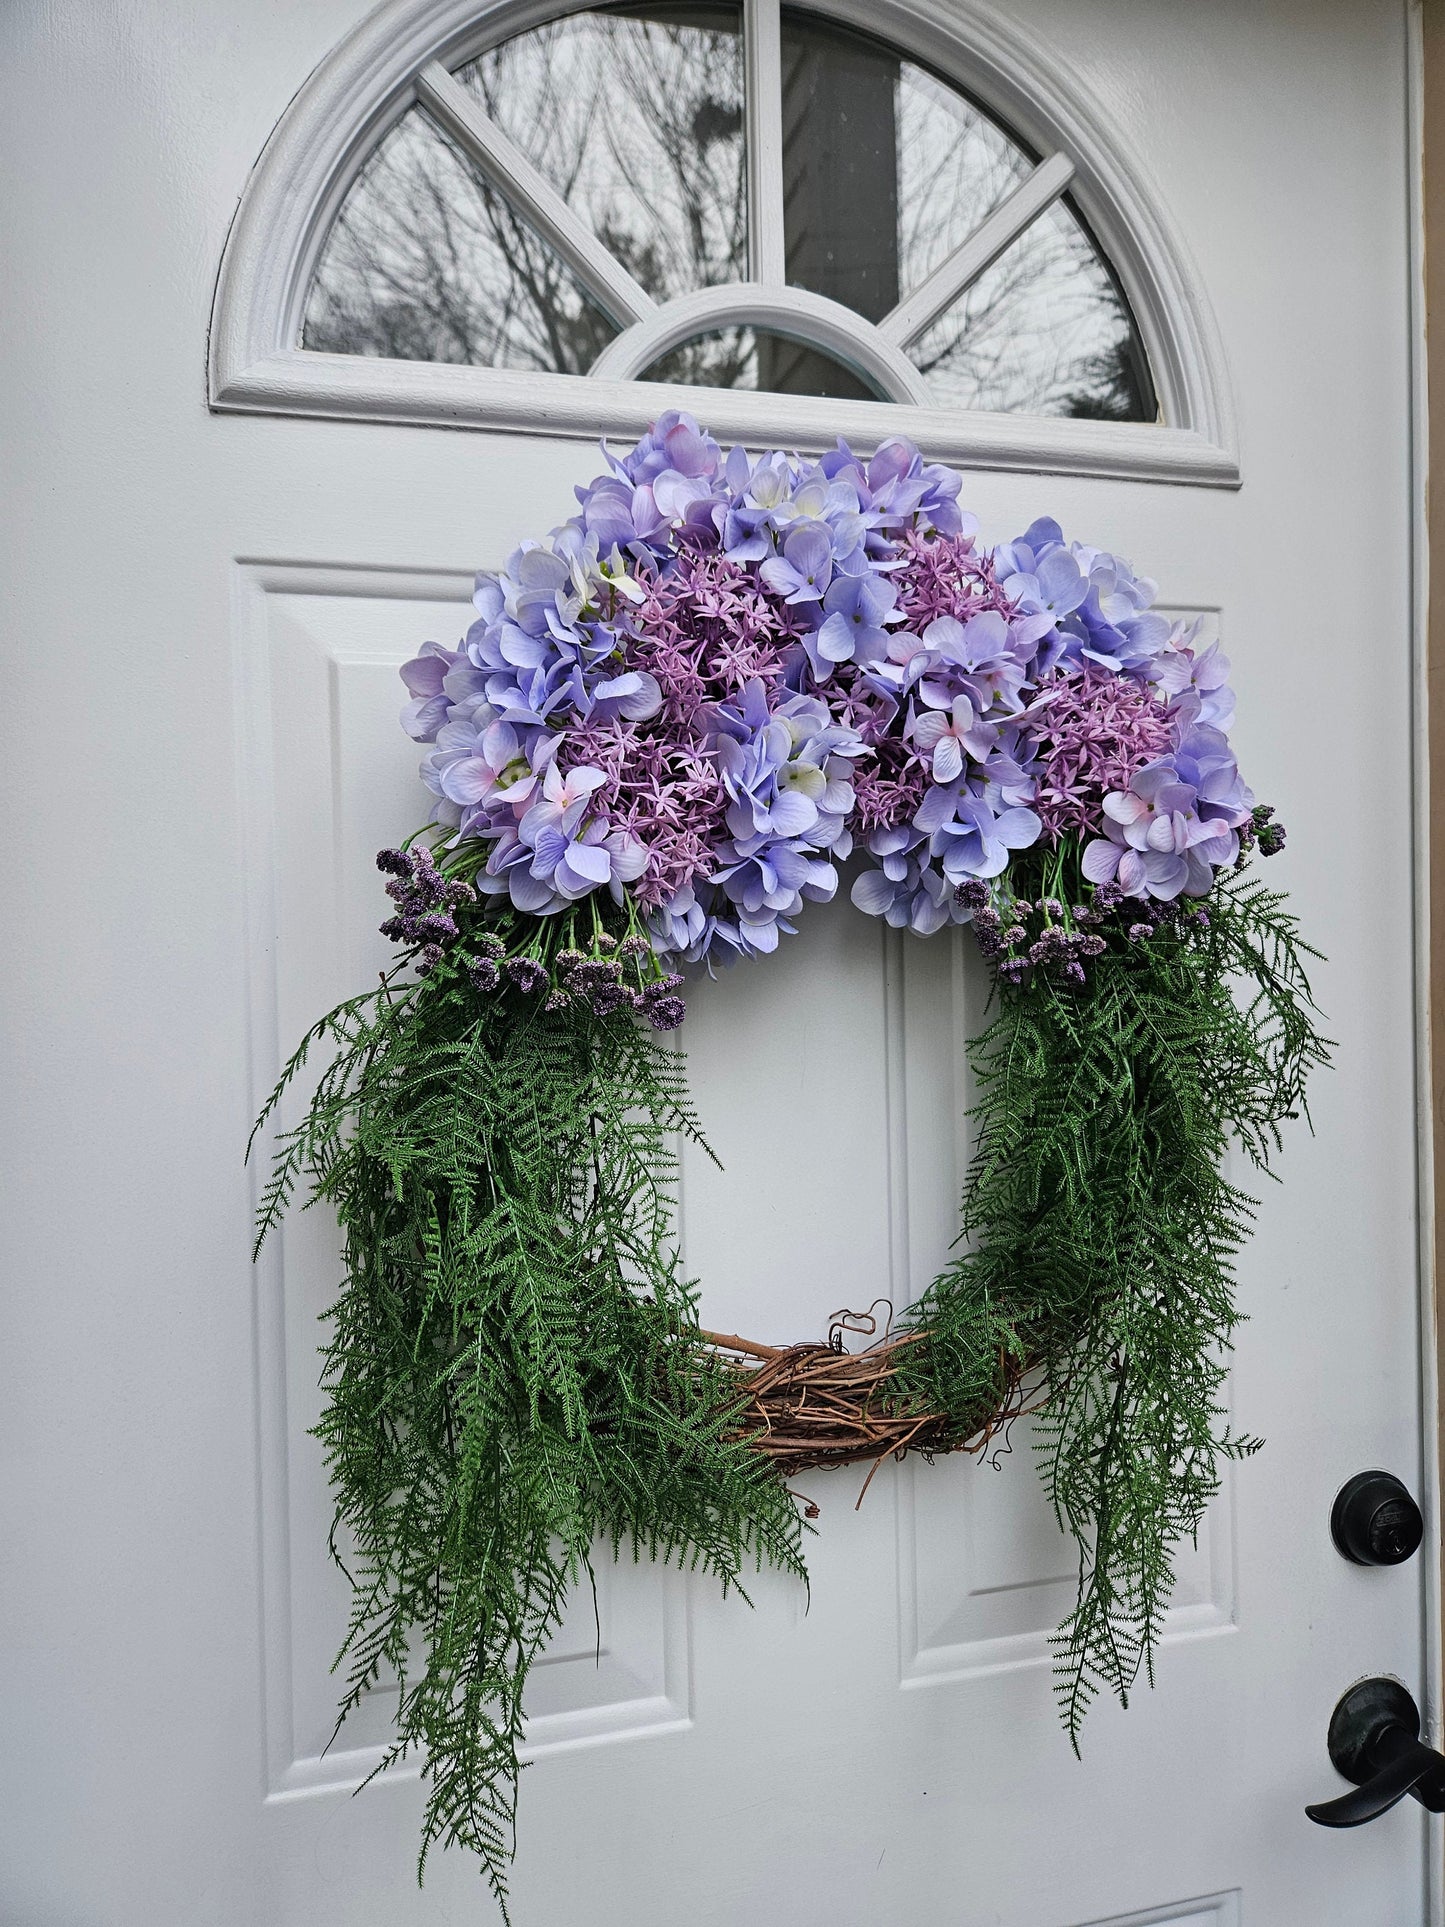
{"points": [[1100, 1231], [516, 1372]]}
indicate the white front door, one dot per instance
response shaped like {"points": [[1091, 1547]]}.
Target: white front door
{"points": [[206, 613]]}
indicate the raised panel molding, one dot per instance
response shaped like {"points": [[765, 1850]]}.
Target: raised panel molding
{"points": [[982, 1575], [985, 1576], [327, 778]]}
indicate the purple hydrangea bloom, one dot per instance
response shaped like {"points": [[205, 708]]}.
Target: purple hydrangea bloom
{"points": [[487, 771], [856, 609], [1111, 622], [945, 739], [969, 838], [805, 568], [681, 927], [1156, 842], [1196, 685], [692, 694], [898, 489], [424, 676], [907, 890]]}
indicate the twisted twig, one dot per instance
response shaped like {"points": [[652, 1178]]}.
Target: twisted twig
{"points": [[814, 1405]]}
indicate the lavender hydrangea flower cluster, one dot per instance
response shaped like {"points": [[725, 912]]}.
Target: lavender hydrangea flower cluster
{"points": [[693, 700]]}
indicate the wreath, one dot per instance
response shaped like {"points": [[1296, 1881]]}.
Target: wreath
{"points": [[669, 725]]}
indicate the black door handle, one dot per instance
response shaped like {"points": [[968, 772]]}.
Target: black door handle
{"points": [[1375, 1741]]}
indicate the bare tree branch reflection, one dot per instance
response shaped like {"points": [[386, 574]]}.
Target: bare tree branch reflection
{"points": [[1044, 331]]}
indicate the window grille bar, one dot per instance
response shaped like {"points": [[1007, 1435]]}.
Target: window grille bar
{"points": [[763, 61], [533, 196], [1038, 190]]}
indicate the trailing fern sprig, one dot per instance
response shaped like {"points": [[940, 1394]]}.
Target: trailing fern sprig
{"points": [[1099, 1233], [514, 1368]]}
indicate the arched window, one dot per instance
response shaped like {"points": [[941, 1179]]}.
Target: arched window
{"points": [[531, 222]]}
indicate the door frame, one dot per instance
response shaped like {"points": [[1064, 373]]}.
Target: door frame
{"points": [[1427, 401]]}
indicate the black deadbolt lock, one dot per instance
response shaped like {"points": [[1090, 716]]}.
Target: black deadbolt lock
{"points": [[1375, 1522]]}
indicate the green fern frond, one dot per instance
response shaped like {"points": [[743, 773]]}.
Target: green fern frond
{"points": [[1099, 1239], [514, 1370]]}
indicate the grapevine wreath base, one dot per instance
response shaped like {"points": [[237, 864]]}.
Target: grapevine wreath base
{"points": [[809, 1407], [668, 727]]}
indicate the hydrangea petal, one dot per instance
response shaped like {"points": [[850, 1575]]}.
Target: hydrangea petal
{"points": [[1100, 860]]}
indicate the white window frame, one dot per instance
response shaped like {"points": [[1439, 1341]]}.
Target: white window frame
{"points": [[404, 53]]}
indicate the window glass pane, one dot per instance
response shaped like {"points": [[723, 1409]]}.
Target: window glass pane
{"points": [[840, 166], [753, 358], [636, 118], [1044, 332], [954, 167], [886, 168], [427, 262]]}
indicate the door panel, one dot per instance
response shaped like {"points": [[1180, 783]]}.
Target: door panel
{"points": [[835, 1077], [207, 613]]}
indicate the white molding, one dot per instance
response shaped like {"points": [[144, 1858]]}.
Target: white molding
{"points": [[363, 388], [649, 1703], [369, 80], [924, 1666], [971, 258], [254, 583], [1426, 1124], [794, 312]]}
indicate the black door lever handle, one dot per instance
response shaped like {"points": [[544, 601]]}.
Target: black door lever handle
{"points": [[1411, 1771], [1375, 1741]]}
